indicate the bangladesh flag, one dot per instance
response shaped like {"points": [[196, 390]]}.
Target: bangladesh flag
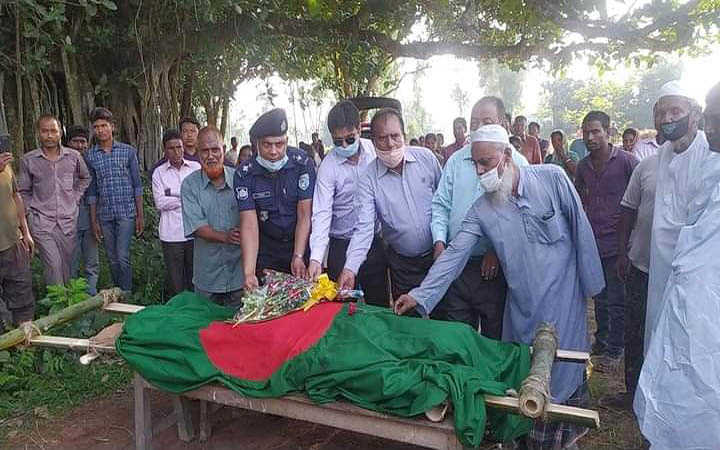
{"points": [[362, 354]]}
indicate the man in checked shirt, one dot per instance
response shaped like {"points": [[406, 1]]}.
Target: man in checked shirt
{"points": [[115, 196]]}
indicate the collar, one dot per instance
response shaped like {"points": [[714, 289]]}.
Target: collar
{"points": [[115, 145], [361, 153], [408, 157], [294, 157], [170, 166], [63, 152], [521, 199], [206, 181]]}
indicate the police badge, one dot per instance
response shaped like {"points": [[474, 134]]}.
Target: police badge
{"points": [[304, 181], [242, 193]]}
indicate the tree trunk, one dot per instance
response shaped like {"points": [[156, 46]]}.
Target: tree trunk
{"points": [[187, 91], [35, 103], [19, 130], [225, 114], [72, 87], [3, 117]]}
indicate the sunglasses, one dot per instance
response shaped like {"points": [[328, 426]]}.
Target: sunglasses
{"points": [[339, 142]]}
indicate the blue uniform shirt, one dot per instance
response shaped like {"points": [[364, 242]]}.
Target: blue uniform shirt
{"points": [[275, 195]]}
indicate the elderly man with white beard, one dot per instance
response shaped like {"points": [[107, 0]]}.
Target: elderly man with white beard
{"points": [[533, 218]]}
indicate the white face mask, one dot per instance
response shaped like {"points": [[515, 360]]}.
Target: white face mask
{"points": [[490, 180]]}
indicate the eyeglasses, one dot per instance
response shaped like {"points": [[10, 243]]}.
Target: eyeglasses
{"points": [[339, 142]]}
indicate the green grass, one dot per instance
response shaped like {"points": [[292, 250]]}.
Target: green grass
{"points": [[36, 384]]}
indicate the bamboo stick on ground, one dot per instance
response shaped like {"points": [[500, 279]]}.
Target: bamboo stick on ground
{"points": [[535, 389], [43, 324]]}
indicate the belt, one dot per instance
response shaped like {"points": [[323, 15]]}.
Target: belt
{"points": [[422, 255]]}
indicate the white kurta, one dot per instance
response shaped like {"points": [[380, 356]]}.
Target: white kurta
{"points": [[678, 396]]}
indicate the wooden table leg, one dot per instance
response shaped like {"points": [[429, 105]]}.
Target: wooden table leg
{"points": [[143, 419], [205, 425], [181, 405]]}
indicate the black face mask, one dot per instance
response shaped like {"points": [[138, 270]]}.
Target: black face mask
{"points": [[672, 131]]}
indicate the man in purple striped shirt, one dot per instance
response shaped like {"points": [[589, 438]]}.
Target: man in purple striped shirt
{"points": [[601, 179], [334, 212]]}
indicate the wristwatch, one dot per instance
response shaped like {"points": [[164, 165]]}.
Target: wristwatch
{"points": [[297, 255]]}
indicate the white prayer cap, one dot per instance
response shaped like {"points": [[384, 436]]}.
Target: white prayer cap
{"points": [[490, 133], [674, 88]]}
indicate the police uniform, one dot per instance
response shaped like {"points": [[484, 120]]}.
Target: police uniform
{"points": [[274, 195]]}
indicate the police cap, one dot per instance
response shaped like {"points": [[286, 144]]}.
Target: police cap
{"points": [[272, 123]]}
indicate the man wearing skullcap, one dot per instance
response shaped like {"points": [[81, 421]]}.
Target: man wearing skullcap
{"points": [[274, 192], [477, 296], [396, 189], [679, 389], [533, 218]]}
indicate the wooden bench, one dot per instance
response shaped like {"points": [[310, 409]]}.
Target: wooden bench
{"points": [[420, 431]]}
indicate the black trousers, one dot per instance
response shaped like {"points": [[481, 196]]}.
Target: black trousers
{"points": [[474, 300], [178, 258], [406, 273], [274, 254], [372, 276], [636, 290]]}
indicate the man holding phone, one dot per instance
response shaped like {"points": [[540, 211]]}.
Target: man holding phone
{"points": [[17, 303]]}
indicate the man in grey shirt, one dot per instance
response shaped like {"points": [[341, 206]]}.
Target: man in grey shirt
{"points": [[636, 215], [52, 181], [397, 188]]}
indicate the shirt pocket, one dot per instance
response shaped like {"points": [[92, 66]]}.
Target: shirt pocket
{"points": [[66, 181], [543, 230]]}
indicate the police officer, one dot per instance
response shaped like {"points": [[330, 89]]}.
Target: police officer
{"points": [[274, 191]]}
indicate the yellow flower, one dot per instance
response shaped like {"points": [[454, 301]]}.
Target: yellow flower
{"points": [[324, 289]]}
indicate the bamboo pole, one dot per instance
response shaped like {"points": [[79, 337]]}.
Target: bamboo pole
{"points": [[535, 389], [43, 324]]}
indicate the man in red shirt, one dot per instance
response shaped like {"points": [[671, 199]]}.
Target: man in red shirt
{"points": [[530, 145], [459, 130]]}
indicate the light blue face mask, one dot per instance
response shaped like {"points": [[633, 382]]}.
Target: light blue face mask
{"points": [[272, 166], [348, 151]]}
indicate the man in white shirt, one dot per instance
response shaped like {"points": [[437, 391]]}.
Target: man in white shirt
{"points": [[647, 147], [334, 211], [166, 182]]}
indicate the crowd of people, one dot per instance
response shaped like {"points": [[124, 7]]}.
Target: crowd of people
{"points": [[500, 229]]}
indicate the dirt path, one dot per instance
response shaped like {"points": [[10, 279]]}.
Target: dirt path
{"points": [[108, 424]]}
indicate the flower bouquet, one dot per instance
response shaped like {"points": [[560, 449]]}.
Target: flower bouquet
{"points": [[283, 293]]}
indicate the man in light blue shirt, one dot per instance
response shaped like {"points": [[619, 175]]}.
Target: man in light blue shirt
{"points": [[533, 217], [333, 210], [397, 189], [477, 296]]}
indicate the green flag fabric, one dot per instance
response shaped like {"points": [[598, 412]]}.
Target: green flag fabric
{"points": [[362, 354]]}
